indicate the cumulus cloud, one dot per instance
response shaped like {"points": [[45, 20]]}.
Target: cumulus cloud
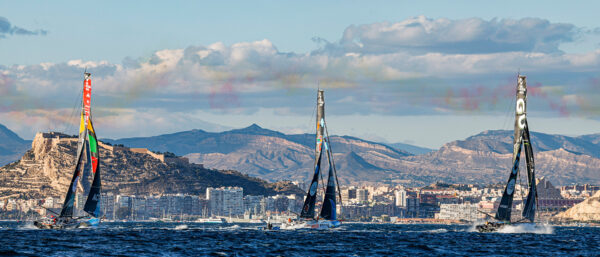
{"points": [[6, 28], [404, 68], [466, 36]]}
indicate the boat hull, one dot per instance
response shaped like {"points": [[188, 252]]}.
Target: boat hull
{"points": [[86, 223], [311, 224], [211, 221], [490, 227]]}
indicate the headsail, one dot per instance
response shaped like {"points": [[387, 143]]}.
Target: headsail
{"points": [[505, 207], [68, 204], [91, 205], [308, 209]]}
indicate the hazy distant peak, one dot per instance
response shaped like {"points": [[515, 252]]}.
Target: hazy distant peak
{"points": [[255, 129]]}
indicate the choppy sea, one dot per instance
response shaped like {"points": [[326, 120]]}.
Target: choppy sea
{"points": [[193, 239]]}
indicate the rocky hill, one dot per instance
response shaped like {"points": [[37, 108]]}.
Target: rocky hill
{"points": [[588, 210], [12, 146], [46, 170]]}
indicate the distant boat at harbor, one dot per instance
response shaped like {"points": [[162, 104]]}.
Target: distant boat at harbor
{"points": [[211, 220]]}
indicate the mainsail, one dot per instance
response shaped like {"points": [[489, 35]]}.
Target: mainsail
{"points": [[308, 209], [88, 144], [328, 210], [530, 203], [521, 137]]}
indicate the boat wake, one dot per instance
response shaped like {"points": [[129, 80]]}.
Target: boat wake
{"points": [[523, 228], [527, 228], [27, 226], [234, 227], [181, 227]]}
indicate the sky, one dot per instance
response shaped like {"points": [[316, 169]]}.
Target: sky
{"points": [[422, 73]]}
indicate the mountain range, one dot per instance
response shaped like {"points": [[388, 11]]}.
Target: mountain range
{"points": [[271, 155], [481, 159]]}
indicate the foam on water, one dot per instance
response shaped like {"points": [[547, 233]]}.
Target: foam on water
{"points": [[163, 239], [181, 227], [233, 227], [440, 230], [27, 226], [527, 228]]}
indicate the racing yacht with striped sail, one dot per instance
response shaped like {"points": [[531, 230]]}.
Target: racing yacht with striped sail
{"points": [[86, 168], [328, 215], [521, 139]]}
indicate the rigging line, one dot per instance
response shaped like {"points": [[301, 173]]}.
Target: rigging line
{"points": [[68, 126], [507, 113], [337, 182]]}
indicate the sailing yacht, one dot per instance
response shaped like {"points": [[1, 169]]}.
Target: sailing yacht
{"points": [[521, 138], [328, 216], [88, 166]]}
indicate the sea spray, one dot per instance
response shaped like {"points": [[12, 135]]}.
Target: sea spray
{"points": [[530, 228]]}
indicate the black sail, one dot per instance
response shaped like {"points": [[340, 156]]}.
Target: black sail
{"points": [[328, 210], [531, 203], [504, 210], [308, 209]]}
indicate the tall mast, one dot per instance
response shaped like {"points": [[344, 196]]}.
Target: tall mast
{"points": [[92, 203], [531, 202], [505, 208], [320, 124], [68, 204], [328, 209], [308, 209]]}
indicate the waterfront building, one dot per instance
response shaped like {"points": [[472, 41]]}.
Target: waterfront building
{"points": [[400, 196], [464, 212], [225, 201]]}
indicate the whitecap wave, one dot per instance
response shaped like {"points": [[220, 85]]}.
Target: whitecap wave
{"points": [[181, 227], [234, 227]]}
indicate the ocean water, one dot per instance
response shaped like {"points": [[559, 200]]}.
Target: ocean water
{"points": [[191, 239]]}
